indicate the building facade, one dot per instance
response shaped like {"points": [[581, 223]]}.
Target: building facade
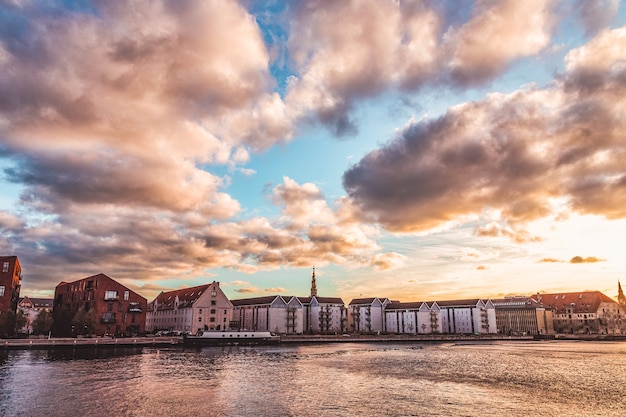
{"points": [[520, 316], [189, 310], [323, 315], [31, 307], [278, 314], [588, 312], [116, 309], [10, 283], [460, 317], [473, 316], [367, 315], [413, 318]]}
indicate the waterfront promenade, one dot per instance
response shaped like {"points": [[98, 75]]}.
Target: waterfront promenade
{"points": [[170, 341], [96, 342]]}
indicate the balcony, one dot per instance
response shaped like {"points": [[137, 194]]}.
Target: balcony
{"points": [[134, 308]]}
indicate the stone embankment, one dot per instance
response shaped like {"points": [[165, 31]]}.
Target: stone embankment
{"points": [[96, 342]]}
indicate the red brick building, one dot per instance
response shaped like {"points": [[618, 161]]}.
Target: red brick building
{"points": [[98, 305], [10, 283]]}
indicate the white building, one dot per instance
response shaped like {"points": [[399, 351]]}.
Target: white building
{"points": [[324, 315], [204, 307], [278, 314], [468, 316], [413, 318], [31, 307], [367, 315]]}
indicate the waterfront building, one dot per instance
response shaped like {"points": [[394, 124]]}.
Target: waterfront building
{"points": [[413, 318], [275, 313], [458, 316], [587, 312], [10, 283], [468, 316], [325, 315], [97, 305], [31, 307], [204, 307], [367, 315], [521, 315]]}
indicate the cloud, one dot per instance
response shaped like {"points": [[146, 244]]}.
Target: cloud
{"points": [[549, 260], [514, 153], [349, 50], [390, 260], [587, 260], [138, 100], [597, 14], [497, 34], [481, 268]]}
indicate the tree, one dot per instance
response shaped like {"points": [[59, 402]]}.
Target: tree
{"points": [[85, 321], [42, 323], [7, 324], [21, 320]]}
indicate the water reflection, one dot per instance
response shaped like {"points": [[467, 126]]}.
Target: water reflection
{"points": [[534, 379]]}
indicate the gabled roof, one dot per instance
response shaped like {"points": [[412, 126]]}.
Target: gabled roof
{"points": [[254, 301], [459, 303], [580, 302], [329, 300], [395, 305], [37, 302], [186, 297]]}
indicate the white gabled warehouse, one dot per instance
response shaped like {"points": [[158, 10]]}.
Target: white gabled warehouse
{"points": [[278, 314]]}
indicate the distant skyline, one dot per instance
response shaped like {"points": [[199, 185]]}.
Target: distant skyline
{"points": [[415, 150]]}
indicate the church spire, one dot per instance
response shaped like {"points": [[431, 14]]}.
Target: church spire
{"points": [[621, 299], [313, 285]]}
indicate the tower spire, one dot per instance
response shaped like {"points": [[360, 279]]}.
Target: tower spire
{"points": [[621, 299], [313, 285]]}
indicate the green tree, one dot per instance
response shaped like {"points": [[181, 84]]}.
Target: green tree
{"points": [[7, 324], [21, 320], [42, 323], [85, 321]]}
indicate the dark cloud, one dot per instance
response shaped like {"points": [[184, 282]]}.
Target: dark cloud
{"points": [[513, 153]]}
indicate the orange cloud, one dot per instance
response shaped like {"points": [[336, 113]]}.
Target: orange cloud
{"points": [[581, 260]]}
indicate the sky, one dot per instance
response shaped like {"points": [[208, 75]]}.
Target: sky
{"points": [[415, 150]]}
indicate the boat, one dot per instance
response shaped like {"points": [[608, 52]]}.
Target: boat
{"points": [[216, 337]]}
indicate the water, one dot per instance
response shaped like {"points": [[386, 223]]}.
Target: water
{"points": [[470, 379]]}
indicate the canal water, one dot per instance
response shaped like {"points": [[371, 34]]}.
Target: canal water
{"points": [[547, 378]]}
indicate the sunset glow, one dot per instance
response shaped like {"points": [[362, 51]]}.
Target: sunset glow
{"points": [[413, 150]]}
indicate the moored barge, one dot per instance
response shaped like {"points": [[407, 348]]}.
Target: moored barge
{"points": [[216, 337]]}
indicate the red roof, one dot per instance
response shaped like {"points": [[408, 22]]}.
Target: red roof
{"points": [[581, 302], [186, 297]]}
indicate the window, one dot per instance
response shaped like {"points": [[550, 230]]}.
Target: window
{"points": [[212, 311], [200, 311], [5, 267], [212, 319], [1, 290], [213, 293], [213, 302], [199, 319], [110, 295], [126, 295]]}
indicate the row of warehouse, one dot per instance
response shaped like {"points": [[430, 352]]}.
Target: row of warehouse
{"points": [[100, 305]]}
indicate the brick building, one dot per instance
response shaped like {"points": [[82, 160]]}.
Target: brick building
{"points": [[113, 308], [10, 283]]}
